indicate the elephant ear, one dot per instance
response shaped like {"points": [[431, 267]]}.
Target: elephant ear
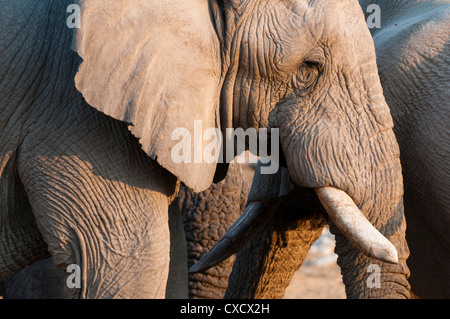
{"points": [[155, 65]]}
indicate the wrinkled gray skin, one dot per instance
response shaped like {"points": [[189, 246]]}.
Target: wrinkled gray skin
{"points": [[412, 48], [75, 184], [413, 54], [93, 188], [206, 217], [266, 265], [42, 280]]}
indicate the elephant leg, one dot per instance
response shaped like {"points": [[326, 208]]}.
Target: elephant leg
{"points": [[101, 204], [121, 243], [44, 280], [21, 243]]}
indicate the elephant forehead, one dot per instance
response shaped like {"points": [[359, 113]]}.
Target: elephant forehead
{"points": [[288, 30]]}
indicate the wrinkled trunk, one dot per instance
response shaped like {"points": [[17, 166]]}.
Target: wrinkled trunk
{"points": [[272, 257], [381, 201], [346, 143], [365, 277], [358, 154]]}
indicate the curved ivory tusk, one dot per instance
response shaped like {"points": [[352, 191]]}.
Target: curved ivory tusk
{"points": [[352, 223], [255, 216]]}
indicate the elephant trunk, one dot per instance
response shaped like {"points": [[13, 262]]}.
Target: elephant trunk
{"points": [[383, 207], [266, 265], [348, 144], [379, 196]]}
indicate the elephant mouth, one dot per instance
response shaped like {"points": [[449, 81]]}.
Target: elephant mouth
{"points": [[340, 208]]}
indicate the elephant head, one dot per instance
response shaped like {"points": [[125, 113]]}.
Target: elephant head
{"points": [[307, 68]]}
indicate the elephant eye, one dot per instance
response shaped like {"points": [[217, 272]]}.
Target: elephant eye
{"points": [[313, 64], [306, 76]]}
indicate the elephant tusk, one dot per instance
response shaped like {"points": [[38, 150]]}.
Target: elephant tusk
{"points": [[255, 216], [355, 227], [339, 206]]}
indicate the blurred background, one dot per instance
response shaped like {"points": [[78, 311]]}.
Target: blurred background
{"points": [[320, 276]]}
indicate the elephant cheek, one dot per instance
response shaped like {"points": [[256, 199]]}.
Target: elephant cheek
{"points": [[320, 156], [327, 147]]}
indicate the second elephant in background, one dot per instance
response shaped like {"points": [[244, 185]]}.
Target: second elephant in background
{"points": [[206, 218]]}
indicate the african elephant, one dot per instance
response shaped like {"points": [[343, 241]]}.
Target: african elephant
{"points": [[87, 136], [413, 56], [206, 217]]}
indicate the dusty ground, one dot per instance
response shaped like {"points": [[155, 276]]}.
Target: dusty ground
{"points": [[320, 276]]}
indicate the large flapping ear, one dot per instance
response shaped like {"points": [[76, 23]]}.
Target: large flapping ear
{"points": [[156, 65]]}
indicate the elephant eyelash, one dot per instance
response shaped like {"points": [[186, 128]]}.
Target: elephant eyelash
{"points": [[313, 64]]}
